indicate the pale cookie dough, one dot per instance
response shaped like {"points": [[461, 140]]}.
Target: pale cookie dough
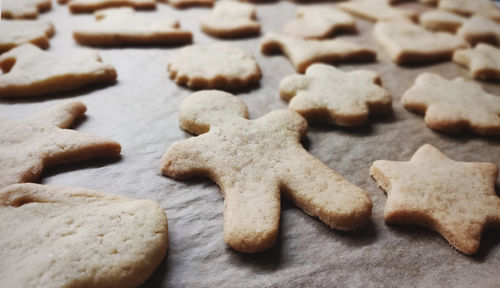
{"points": [[456, 199], [29, 145], [319, 23], [24, 9], [408, 43], [327, 94], [124, 26], [231, 19], [252, 161], [454, 105], [480, 29], [303, 53], [483, 61], [440, 20], [30, 71], [17, 32], [214, 66], [377, 10], [89, 6], [74, 237], [486, 8], [181, 4]]}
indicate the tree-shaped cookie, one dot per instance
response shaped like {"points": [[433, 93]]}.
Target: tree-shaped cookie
{"points": [[480, 29], [122, 26], [74, 237], [180, 4], [89, 6], [454, 105], [29, 145], [30, 71], [17, 32], [483, 61], [484, 8], [377, 10], [231, 19], [456, 199], [252, 161], [319, 23], [24, 9], [303, 53], [441, 20], [327, 94], [407, 43]]}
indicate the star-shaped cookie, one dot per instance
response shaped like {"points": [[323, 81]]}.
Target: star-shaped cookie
{"points": [[17, 32], [378, 10], [30, 71], [327, 94], [454, 105], [252, 161], [24, 9], [480, 29], [483, 61], [29, 145], [89, 6], [456, 199], [303, 53], [231, 19], [486, 8]]}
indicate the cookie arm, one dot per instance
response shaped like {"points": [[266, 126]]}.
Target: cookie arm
{"points": [[184, 160], [291, 85], [62, 115]]}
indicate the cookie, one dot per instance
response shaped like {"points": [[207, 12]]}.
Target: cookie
{"points": [[214, 66], [456, 199], [74, 237], [483, 61], [329, 95], [30, 71], [429, 2], [29, 145], [486, 8], [89, 6], [441, 20], [180, 4], [24, 9], [319, 23], [480, 29], [17, 32], [303, 53], [252, 161], [377, 10], [231, 19], [454, 105], [407, 43], [123, 26]]}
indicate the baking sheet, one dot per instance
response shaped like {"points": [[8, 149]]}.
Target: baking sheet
{"points": [[140, 112]]}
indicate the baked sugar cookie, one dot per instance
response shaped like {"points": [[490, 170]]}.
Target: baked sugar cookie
{"points": [[220, 65], [75, 237], [454, 105], [89, 6], [231, 19], [24, 9], [29, 145], [180, 4], [480, 29], [319, 23], [441, 20], [17, 32], [456, 199], [483, 61], [123, 26], [30, 71], [252, 161], [327, 94], [303, 53], [407, 43], [378, 10], [484, 8]]}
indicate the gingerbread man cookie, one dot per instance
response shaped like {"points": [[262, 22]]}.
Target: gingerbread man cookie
{"points": [[483, 61], [28, 146], [18, 32], [24, 9], [231, 19], [456, 199], [303, 53], [454, 105], [378, 10], [480, 29], [486, 8], [327, 94], [30, 71], [252, 161], [89, 6]]}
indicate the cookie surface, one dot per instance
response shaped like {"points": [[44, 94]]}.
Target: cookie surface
{"points": [[209, 66], [454, 105], [377, 10], [29, 145], [303, 53], [456, 199], [231, 19], [89, 6], [252, 161], [24, 9], [480, 29], [407, 43], [327, 94], [483, 61], [319, 23], [30, 71], [17, 32], [484, 8], [83, 238], [441, 20], [122, 26]]}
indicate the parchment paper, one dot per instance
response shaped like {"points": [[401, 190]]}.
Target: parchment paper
{"points": [[140, 112]]}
